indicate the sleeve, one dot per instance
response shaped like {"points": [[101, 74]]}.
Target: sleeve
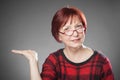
{"points": [[49, 69], [107, 73]]}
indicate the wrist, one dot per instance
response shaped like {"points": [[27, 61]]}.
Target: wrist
{"points": [[33, 61]]}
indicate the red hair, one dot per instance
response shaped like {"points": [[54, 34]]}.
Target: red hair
{"points": [[62, 16]]}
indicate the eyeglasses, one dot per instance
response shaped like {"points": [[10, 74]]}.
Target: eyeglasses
{"points": [[70, 32]]}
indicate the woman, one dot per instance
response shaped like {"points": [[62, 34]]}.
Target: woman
{"points": [[75, 61]]}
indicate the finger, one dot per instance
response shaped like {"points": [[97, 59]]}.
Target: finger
{"points": [[17, 51]]}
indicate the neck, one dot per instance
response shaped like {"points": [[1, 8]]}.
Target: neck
{"points": [[78, 55], [74, 51]]}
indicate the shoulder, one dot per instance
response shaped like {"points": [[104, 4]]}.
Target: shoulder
{"points": [[101, 57], [53, 57], [56, 53]]}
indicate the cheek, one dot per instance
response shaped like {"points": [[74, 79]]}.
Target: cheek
{"points": [[63, 38], [83, 36]]}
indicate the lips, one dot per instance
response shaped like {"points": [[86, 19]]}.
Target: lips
{"points": [[76, 40]]}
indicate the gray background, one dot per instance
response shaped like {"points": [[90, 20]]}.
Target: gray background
{"points": [[26, 24]]}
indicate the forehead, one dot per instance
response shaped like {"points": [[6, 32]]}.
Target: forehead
{"points": [[72, 20]]}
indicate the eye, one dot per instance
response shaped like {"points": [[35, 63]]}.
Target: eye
{"points": [[79, 26], [66, 28]]}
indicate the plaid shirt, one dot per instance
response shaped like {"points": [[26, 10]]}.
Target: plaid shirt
{"points": [[58, 67]]}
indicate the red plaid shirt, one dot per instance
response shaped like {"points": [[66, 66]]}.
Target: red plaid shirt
{"points": [[58, 67]]}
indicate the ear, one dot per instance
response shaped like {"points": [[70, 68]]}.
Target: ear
{"points": [[59, 37]]}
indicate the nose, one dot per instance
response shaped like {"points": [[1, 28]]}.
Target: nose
{"points": [[75, 33]]}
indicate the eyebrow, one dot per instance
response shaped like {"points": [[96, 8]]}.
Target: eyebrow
{"points": [[66, 26], [70, 25], [80, 23]]}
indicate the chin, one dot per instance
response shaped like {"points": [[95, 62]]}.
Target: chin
{"points": [[76, 45]]}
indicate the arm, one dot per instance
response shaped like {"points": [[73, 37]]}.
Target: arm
{"points": [[49, 71], [34, 70], [33, 62], [107, 73]]}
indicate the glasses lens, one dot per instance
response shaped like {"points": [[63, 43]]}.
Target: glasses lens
{"points": [[70, 32], [80, 30]]}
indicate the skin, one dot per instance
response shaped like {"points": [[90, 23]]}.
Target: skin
{"points": [[32, 57], [74, 49]]}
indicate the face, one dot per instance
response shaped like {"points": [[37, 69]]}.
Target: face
{"points": [[72, 33]]}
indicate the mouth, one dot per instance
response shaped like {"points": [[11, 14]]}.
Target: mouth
{"points": [[76, 40]]}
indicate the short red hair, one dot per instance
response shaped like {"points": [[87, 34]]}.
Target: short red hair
{"points": [[62, 16]]}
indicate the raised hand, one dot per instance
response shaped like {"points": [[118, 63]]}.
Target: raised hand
{"points": [[31, 55]]}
